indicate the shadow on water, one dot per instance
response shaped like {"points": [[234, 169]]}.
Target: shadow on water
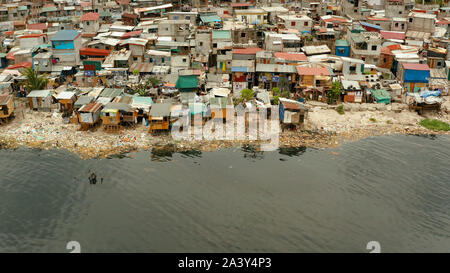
{"points": [[427, 136], [191, 153], [163, 153], [292, 151], [252, 152]]}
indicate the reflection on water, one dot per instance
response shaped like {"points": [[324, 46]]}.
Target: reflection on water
{"points": [[163, 153], [292, 151], [193, 153], [252, 151]]}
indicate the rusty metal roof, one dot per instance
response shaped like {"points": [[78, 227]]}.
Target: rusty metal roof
{"points": [[91, 107], [4, 98]]}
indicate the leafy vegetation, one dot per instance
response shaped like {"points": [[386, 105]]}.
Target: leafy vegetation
{"points": [[247, 94], [334, 93], [435, 124], [277, 94], [340, 109], [135, 72], [34, 81], [372, 119]]}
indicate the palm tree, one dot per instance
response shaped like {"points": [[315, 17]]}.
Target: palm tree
{"points": [[34, 80]]}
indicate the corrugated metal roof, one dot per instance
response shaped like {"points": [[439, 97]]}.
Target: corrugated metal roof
{"points": [[65, 35], [84, 100], [416, 66], [66, 95], [91, 107], [4, 98], [39, 93], [160, 110], [275, 68], [221, 34], [111, 92], [119, 106], [316, 71]]}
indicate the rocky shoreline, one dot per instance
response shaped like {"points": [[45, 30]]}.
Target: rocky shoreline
{"points": [[324, 128]]}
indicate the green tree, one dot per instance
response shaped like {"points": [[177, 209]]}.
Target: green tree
{"points": [[247, 94], [335, 92], [152, 82], [34, 81], [135, 72]]}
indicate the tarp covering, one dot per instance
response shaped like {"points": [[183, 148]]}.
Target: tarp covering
{"points": [[381, 96]]}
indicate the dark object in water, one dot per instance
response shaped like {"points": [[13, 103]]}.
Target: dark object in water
{"points": [[93, 178]]}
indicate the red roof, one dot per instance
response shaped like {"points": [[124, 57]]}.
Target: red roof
{"points": [[385, 50], [393, 35], [86, 51], [10, 56], [443, 22], [335, 19], [416, 66], [316, 71], [85, 4], [394, 47], [90, 16], [20, 65], [35, 35], [88, 35], [9, 33], [40, 26], [291, 56], [247, 51], [237, 5], [131, 34]]}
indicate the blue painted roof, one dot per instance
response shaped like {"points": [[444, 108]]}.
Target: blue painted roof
{"points": [[370, 25], [239, 69], [65, 35]]}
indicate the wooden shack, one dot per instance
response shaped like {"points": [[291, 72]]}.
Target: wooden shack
{"points": [[292, 113], [159, 118], [66, 101], [41, 100], [6, 108], [89, 115], [115, 114], [82, 101]]}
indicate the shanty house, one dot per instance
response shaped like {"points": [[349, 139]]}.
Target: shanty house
{"points": [[6, 107], [89, 114], [66, 45], [90, 22], [414, 76], [66, 101], [41, 99], [159, 117], [292, 113]]}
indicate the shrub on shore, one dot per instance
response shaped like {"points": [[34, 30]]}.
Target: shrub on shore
{"points": [[435, 124], [340, 109], [372, 119]]}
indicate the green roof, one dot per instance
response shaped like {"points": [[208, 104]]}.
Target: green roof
{"points": [[210, 18], [111, 92], [187, 82], [105, 13], [381, 95], [221, 34], [342, 43], [3, 55], [22, 8], [47, 9]]}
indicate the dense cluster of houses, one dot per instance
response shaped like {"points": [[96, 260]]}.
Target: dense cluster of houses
{"points": [[125, 61]]}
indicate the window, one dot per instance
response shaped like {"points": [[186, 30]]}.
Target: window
{"points": [[184, 60], [243, 34], [352, 68], [306, 24], [201, 43], [374, 47], [396, 24], [188, 17], [341, 50], [384, 60], [410, 20], [403, 26], [163, 60], [88, 23], [292, 24], [214, 44], [175, 18], [400, 12]]}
